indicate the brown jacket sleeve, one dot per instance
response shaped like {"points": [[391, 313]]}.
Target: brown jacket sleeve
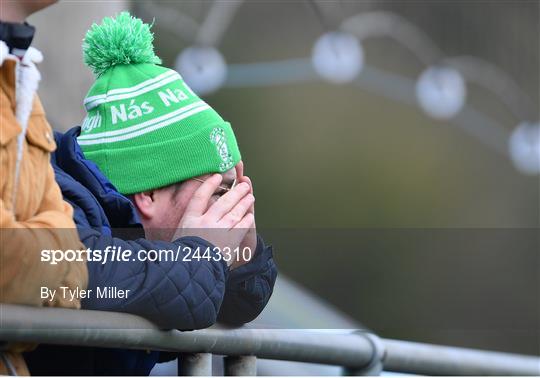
{"points": [[22, 273], [42, 220]]}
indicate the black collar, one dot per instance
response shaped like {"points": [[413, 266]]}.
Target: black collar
{"points": [[16, 36]]}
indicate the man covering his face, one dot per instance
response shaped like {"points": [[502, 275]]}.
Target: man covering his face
{"points": [[154, 159]]}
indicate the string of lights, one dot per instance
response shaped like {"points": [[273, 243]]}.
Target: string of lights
{"points": [[338, 57]]}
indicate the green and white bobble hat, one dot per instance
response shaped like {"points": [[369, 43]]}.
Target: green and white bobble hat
{"points": [[145, 128]]}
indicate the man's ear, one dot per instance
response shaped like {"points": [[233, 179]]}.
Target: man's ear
{"points": [[145, 204]]}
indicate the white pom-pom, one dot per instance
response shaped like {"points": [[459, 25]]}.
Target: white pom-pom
{"points": [[4, 52], [441, 92], [338, 57], [203, 69], [32, 55], [524, 147]]}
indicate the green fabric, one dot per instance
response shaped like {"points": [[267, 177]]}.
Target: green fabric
{"points": [[145, 129], [120, 40]]}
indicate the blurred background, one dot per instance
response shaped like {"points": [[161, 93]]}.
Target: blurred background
{"points": [[394, 148]]}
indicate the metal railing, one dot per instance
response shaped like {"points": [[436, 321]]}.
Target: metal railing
{"points": [[359, 353]]}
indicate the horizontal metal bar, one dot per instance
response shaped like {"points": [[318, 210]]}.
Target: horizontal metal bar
{"points": [[428, 359], [100, 328], [106, 329]]}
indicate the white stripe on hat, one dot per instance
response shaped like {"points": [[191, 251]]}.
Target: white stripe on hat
{"points": [[123, 93], [127, 130], [131, 89], [143, 128]]}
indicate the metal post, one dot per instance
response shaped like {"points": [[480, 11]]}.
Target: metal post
{"points": [[372, 370], [240, 366], [195, 364], [375, 365]]}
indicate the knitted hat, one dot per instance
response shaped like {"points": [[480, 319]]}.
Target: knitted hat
{"points": [[145, 128]]}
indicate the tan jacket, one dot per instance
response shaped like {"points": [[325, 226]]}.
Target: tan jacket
{"points": [[39, 218]]}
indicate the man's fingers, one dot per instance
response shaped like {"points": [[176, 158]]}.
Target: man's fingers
{"points": [[227, 201], [246, 223], [238, 212], [199, 202], [248, 181], [239, 169]]}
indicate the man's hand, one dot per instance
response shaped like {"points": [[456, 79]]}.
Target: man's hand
{"points": [[226, 222], [250, 240]]}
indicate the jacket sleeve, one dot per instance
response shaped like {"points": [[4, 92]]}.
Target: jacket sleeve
{"points": [[22, 273], [249, 287], [175, 294]]}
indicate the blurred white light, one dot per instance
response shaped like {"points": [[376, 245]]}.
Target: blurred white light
{"points": [[524, 146], [338, 57], [203, 68], [441, 92]]}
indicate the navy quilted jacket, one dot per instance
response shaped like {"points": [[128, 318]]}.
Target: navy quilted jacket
{"points": [[173, 295]]}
